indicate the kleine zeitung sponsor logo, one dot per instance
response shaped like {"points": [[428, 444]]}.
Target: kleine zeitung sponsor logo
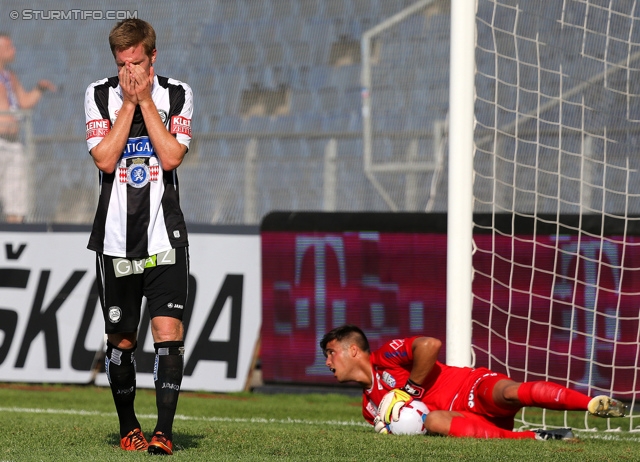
{"points": [[98, 128], [180, 124]]}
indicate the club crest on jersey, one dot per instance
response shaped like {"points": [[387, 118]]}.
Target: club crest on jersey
{"points": [[138, 174], [388, 379]]}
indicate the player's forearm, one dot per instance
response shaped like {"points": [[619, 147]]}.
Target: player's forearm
{"points": [[107, 153], [170, 152]]}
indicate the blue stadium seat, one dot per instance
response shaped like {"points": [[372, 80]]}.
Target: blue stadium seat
{"points": [[329, 98], [338, 8], [319, 76], [258, 10], [388, 8], [282, 124], [213, 32], [229, 124], [278, 76], [217, 54], [303, 101], [414, 26], [310, 8], [366, 8], [263, 31], [255, 124], [230, 10], [248, 52], [352, 99], [284, 9], [240, 31], [341, 122], [346, 76], [254, 75], [298, 53], [309, 123], [320, 33]]}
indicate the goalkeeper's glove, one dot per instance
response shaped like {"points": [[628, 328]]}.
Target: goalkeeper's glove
{"points": [[390, 406], [380, 426], [415, 390]]}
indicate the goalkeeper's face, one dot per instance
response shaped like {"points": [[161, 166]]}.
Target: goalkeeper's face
{"points": [[339, 360]]}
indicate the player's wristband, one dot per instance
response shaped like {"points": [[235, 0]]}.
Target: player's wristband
{"points": [[415, 390]]}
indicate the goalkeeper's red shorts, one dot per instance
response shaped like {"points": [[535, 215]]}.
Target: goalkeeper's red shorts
{"points": [[479, 398]]}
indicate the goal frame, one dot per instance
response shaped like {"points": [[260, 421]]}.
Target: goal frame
{"points": [[460, 184]]}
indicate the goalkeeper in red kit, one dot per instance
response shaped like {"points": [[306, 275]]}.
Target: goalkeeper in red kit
{"points": [[463, 401]]}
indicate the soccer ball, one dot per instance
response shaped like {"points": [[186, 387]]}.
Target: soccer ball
{"points": [[410, 420]]}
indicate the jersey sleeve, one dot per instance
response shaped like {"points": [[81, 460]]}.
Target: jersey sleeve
{"points": [[97, 126], [180, 122], [397, 352]]}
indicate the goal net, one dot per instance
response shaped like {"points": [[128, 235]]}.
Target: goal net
{"points": [[556, 288]]}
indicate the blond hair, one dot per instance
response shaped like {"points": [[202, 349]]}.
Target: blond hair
{"points": [[131, 33]]}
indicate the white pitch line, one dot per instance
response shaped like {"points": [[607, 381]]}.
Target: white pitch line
{"points": [[612, 436], [261, 420]]}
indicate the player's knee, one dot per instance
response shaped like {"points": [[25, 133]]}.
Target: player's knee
{"points": [[510, 392], [166, 329], [438, 422], [124, 341]]}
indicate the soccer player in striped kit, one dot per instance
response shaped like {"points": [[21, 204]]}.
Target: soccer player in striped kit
{"points": [[138, 130]]}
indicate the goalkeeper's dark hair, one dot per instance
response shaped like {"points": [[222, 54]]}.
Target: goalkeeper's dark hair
{"points": [[347, 332]]}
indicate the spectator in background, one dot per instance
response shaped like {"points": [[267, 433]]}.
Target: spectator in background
{"points": [[14, 177]]}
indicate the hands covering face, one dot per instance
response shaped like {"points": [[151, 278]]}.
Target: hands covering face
{"points": [[135, 82]]}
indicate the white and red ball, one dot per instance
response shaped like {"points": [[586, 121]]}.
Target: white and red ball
{"points": [[410, 420]]}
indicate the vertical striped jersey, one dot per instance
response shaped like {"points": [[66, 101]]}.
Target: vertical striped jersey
{"points": [[138, 212]]}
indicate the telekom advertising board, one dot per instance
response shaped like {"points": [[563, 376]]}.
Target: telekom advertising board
{"points": [[387, 274], [51, 325]]}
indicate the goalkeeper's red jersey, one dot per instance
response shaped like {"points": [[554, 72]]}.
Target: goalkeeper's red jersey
{"points": [[446, 387]]}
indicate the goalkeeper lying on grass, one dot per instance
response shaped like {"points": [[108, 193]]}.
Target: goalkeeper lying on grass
{"points": [[465, 402]]}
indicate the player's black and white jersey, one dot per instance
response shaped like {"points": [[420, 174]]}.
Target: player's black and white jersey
{"points": [[138, 211]]}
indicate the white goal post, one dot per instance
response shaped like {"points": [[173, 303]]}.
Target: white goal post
{"points": [[553, 111], [460, 197]]}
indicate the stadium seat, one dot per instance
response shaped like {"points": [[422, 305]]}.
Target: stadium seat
{"points": [[230, 10], [302, 101], [310, 8], [274, 53], [298, 53], [230, 124], [248, 53], [337, 8], [284, 8]]}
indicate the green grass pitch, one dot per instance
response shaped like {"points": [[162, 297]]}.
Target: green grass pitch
{"points": [[78, 423]]}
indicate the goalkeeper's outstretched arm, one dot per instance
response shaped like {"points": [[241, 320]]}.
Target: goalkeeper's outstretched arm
{"points": [[425, 354]]}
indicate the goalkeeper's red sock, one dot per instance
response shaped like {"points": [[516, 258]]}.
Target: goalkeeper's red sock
{"points": [[471, 428], [550, 395]]}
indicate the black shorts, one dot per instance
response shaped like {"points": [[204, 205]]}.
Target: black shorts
{"points": [[122, 283]]}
